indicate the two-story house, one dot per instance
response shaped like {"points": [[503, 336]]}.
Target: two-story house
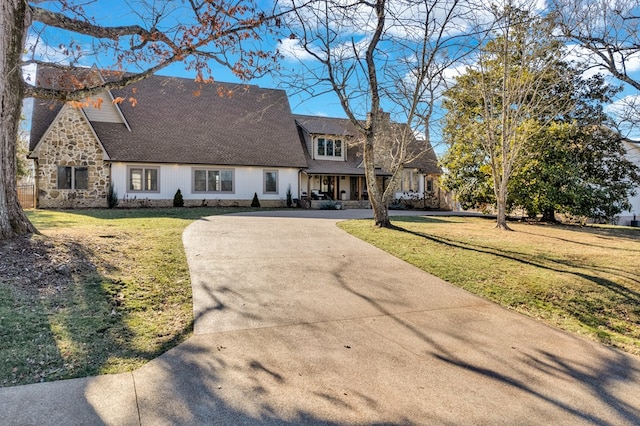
{"points": [[219, 143], [335, 168]]}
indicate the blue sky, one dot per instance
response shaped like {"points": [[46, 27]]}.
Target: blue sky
{"points": [[116, 12]]}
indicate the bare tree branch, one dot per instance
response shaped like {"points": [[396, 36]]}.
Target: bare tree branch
{"points": [[384, 54], [59, 20]]}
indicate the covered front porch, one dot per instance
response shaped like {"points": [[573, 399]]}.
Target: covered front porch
{"points": [[319, 186]]}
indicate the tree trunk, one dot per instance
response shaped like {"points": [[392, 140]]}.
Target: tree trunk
{"points": [[501, 201], [549, 215], [380, 211], [376, 196], [13, 22]]}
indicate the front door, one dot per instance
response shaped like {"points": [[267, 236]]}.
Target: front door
{"points": [[327, 187], [354, 188]]}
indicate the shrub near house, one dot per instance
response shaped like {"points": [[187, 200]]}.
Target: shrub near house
{"points": [[220, 149]]}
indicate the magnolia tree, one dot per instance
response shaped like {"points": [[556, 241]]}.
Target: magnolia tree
{"points": [[148, 36], [383, 59], [505, 98]]}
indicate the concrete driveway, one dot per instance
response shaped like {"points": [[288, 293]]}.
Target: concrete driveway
{"points": [[297, 322], [306, 324]]}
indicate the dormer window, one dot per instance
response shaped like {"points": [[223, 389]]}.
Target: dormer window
{"points": [[329, 148]]}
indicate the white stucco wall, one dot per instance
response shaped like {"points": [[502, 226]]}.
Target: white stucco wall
{"points": [[633, 154], [247, 181]]}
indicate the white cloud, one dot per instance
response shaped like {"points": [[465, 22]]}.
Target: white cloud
{"points": [[406, 22], [38, 49], [623, 104], [586, 57], [451, 73], [29, 74], [292, 50]]}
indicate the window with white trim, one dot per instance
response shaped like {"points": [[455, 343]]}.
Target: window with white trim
{"points": [[270, 182], [429, 185], [143, 179], [410, 180], [72, 177], [329, 148], [212, 180]]}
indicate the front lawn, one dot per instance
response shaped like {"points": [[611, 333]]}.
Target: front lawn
{"points": [[101, 291], [104, 291], [585, 280]]}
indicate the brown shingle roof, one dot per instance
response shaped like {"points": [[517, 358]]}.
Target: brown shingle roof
{"points": [[427, 162], [313, 125], [177, 120], [43, 114], [316, 125]]}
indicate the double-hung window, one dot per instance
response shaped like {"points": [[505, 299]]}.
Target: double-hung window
{"points": [[143, 179], [71, 177], [410, 180], [429, 186], [213, 180], [270, 181]]}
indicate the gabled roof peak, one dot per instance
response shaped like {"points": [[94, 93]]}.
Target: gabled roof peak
{"points": [[179, 120]]}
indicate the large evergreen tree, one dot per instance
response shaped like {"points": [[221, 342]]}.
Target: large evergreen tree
{"points": [[570, 161], [504, 100], [577, 164]]}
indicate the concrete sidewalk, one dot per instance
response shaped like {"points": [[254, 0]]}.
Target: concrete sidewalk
{"points": [[300, 323]]}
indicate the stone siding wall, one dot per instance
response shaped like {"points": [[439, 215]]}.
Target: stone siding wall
{"points": [[71, 142]]}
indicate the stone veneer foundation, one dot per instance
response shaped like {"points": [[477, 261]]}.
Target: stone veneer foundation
{"points": [[135, 202], [71, 142]]}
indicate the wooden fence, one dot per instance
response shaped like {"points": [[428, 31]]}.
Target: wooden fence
{"points": [[27, 196]]}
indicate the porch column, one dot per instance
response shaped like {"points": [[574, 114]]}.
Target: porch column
{"points": [[359, 188], [335, 188]]}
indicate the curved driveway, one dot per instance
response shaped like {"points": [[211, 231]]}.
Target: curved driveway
{"points": [[304, 323], [296, 322]]}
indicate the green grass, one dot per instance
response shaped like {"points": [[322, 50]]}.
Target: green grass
{"points": [[131, 300], [128, 303], [585, 280]]}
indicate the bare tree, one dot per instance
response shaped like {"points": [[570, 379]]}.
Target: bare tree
{"points": [[385, 54], [162, 32], [512, 91], [607, 36]]}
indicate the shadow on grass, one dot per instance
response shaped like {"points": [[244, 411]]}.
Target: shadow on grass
{"points": [[519, 258], [590, 313], [419, 219], [628, 234], [73, 322]]}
